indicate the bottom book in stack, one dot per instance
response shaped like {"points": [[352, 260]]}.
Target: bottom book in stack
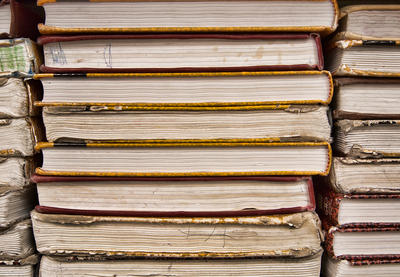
{"points": [[202, 226], [360, 216]]}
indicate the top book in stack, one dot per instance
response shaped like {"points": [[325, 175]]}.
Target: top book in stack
{"points": [[66, 17]]}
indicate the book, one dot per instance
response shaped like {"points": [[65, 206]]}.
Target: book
{"points": [[363, 241], [185, 158], [17, 98], [18, 136], [17, 241], [184, 196], [64, 266], [368, 138], [369, 22], [366, 98], [18, 58], [364, 176], [15, 171], [15, 203], [294, 235], [188, 16], [24, 267], [342, 3], [181, 52], [332, 267], [344, 209], [375, 58], [127, 123], [25, 16], [187, 89], [5, 18]]}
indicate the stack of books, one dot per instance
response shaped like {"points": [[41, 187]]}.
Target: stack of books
{"points": [[172, 128], [360, 203], [17, 138]]}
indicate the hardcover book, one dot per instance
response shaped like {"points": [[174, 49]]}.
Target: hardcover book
{"points": [[364, 176], [366, 98], [18, 58], [344, 209], [375, 58], [125, 267], [5, 18], [368, 138], [25, 17], [127, 123], [388, 267], [189, 16], [184, 196], [363, 241], [187, 89], [185, 158], [181, 52], [369, 22], [294, 235]]}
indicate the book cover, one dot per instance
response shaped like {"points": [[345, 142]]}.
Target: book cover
{"points": [[293, 235], [188, 16], [184, 185], [187, 89], [192, 158], [376, 98], [203, 53]]}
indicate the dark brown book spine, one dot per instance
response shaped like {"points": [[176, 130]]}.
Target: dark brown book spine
{"points": [[25, 16]]}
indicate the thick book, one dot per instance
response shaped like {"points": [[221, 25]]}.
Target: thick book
{"points": [[388, 267], [24, 18], [18, 136], [181, 52], [184, 196], [17, 241], [293, 235], [15, 171], [366, 98], [375, 58], [364, 176], [369, 22], [368, 138], [18, 57], [15, 203], [188, 16], [185, 158], [344, 209], [363, 241], [186, 89], [5, 18], [257, 267], [17, 97], [127, 123]]}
